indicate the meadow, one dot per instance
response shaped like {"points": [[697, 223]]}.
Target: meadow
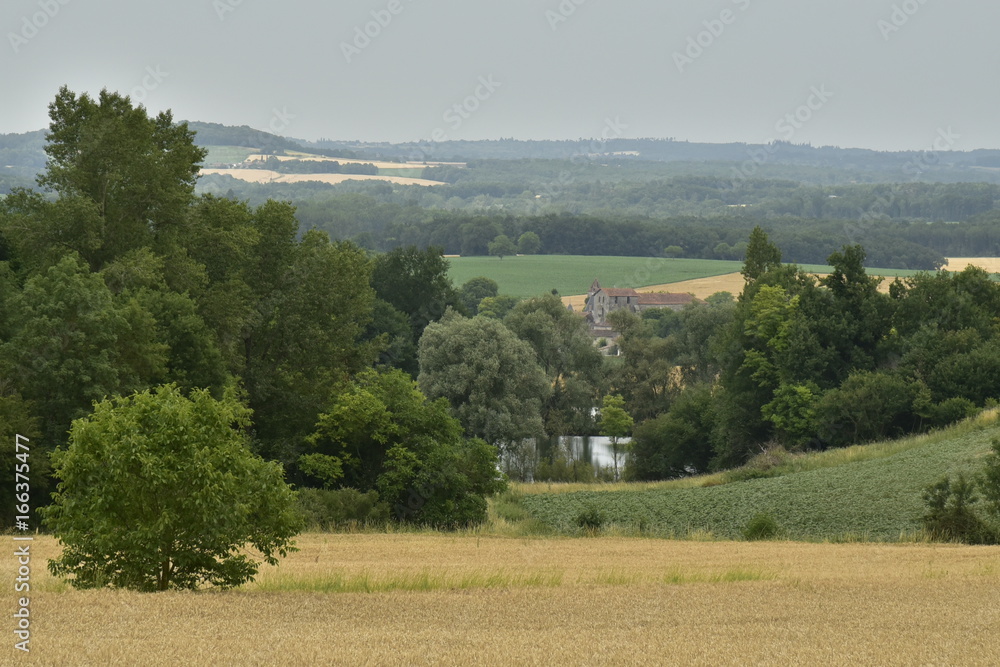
{"points": [[472, 599], [871, 492], [531, 275]]}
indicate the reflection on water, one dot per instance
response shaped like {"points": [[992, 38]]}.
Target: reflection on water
{"points": [[595, 449]]}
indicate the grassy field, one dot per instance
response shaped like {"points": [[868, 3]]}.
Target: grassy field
{"points": [[868, 493], [531, 275], [468, 599]]}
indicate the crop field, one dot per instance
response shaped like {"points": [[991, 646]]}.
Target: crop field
{"points": [[467, 599], [269, 176], [572, 275], [531, 275], [866, 493], [227, 154]]}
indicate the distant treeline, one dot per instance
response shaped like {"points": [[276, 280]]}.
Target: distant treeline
{"points": [[889, 244]]}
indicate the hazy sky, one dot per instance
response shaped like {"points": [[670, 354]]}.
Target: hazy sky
{"points": [[884, 74]]}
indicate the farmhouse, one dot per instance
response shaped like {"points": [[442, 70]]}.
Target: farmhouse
{"points": [[602, 301]]}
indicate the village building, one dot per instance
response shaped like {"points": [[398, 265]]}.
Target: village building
{"points": [[602, 301]]}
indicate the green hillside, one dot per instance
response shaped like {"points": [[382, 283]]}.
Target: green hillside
{"points": [[873, 493]]}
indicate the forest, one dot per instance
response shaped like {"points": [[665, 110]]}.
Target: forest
{"points": [[383, 390]]}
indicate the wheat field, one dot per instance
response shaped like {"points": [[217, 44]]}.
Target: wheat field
{"points": [[270, 176], [420, 599]]}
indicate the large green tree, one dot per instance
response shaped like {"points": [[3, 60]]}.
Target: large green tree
{"points": [[382, 434], [160, 491], [491, 379]]}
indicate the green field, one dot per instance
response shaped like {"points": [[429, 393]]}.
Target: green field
{"points": [[227, 154], [872, 493], [531, 275]]}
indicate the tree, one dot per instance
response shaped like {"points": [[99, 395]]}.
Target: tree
{"points": [[138, 172], [676, 443], [501, 246], [566, 352], [615, 424], [382, 434], [475, 290], [761, 256], [673, 251], [491, 379], [415, 282], [529, 244], [160, 491]]}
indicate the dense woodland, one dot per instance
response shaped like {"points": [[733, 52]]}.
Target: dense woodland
{"points": [[386, 391]]}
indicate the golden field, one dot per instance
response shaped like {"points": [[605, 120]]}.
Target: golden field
{"points": [[991, 264], [381, 164], [469, 599], [269, 176]]}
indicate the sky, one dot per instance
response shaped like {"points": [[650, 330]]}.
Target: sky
{"points": [[879, 74]]}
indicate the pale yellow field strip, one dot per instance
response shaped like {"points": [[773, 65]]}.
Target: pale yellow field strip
{"points": [[991, 264], [600, 601], [701, 288], [342, 160], [268, 176]]}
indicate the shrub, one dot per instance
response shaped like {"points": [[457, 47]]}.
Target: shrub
{"points": [[591, 519], [761, 527], [327, 509], [951, 515]]}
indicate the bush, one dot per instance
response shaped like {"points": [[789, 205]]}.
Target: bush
{"points": [[766, 464], [951, 515], [326, 509], [591, 519], [761, 527]]}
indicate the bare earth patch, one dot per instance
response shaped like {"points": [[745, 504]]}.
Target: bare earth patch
{"points": [[595, 601]]}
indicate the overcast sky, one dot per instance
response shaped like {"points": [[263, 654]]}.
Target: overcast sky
{"points": [[883, 74]]}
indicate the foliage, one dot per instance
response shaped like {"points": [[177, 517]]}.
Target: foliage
{"points": [[674, 444], [491, 379], [565, 351], [879, 498], [381, 434], [615, 423], [159, 491], [474, 290], [331, 509], [761, 527], [591, 519], [951, 512], [501, 246]]}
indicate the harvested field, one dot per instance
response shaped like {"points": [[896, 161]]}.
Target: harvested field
{"points": [[269, 176], [468, 599], [991, 264], [303, 157]]}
